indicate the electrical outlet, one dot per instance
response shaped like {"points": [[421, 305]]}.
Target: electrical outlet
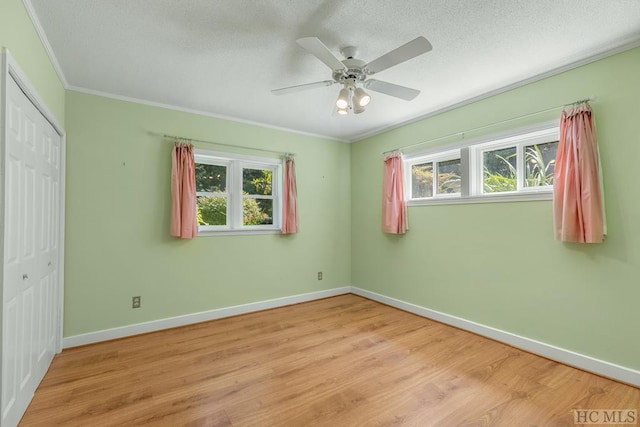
{"points": [[135, 302], [319, 275]]}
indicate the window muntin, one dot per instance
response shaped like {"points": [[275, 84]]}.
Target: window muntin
{"points": [[516, 167], [237, 193]]}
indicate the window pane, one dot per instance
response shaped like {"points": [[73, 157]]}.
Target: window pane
{"points": [[257, 181], [500, 170], [257, 211], [211, 178], [540, 161], [449, 177], [212, 210], [422, 180]]}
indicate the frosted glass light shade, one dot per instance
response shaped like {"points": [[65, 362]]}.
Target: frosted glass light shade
{"points": [[361, 98], [343, 99]]}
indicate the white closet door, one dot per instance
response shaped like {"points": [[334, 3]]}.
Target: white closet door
{"points": [[47, 189], [30, 301]]}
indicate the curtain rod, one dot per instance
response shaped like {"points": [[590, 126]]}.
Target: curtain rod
{"points": [[182, 138], [591, 98]]}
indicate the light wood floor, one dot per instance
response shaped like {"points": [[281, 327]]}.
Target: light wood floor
{"points": [[342, 361]]}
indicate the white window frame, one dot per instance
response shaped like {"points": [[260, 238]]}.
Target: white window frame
{"points": [[433, 159], [470, 154], [235, 164]]}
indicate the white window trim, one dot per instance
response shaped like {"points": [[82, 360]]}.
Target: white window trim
{"points": [[235, 163], [471, 163], [442, 156]]}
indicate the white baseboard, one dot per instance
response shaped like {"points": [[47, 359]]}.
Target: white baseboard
{"points": [[187, 319], [568, 357]]}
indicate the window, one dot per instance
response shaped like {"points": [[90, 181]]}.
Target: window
{"points": [[515, 167], [237, 194], [435, 176]]}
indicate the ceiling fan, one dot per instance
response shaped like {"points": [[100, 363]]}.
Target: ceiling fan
{"points": [[353, 73]]}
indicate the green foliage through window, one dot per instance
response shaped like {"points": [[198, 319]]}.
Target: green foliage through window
{"points": [[422, 180], [500, 170], [257, 181], [448, 178], [211, 178], [540, 161], [500, 173], [212, 210], [515, 166]]}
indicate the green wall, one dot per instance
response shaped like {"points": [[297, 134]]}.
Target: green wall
{"points": [[19, 36], [118, 211], [497, 263]]}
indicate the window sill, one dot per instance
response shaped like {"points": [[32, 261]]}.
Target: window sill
{"points": [[493, 198], [245, 232]]}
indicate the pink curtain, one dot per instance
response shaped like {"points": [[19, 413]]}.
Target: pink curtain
{"points": [[394, 207], [290, 222], [184, 221], [577, 181]]}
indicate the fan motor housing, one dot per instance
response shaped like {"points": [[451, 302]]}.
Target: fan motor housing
{"points": [[354, 70], [352, 73]]}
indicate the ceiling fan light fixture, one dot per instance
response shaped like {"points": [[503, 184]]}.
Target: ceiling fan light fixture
{"points": [[352, 73], [343, 99], [361, 98]]}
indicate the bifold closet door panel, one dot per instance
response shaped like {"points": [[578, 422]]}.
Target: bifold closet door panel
{"points": [[19, 293], [30, 294], [47, 230]]}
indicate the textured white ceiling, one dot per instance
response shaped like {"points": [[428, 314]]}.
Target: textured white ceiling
{"points": [[224, 57]]}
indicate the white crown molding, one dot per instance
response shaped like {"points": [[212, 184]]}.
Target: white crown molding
{"points": [[45, 42], [631, 43], [198, 112], [58, 69], [568, 357], [625, 46], [204, 316]]}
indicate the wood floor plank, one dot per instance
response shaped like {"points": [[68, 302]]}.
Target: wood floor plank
{"points": [[340, 361]]}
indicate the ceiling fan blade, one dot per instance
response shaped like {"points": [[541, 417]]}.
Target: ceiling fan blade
{"points": [[298, 88], [391, 89], [415, 47], [314, 46]]}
